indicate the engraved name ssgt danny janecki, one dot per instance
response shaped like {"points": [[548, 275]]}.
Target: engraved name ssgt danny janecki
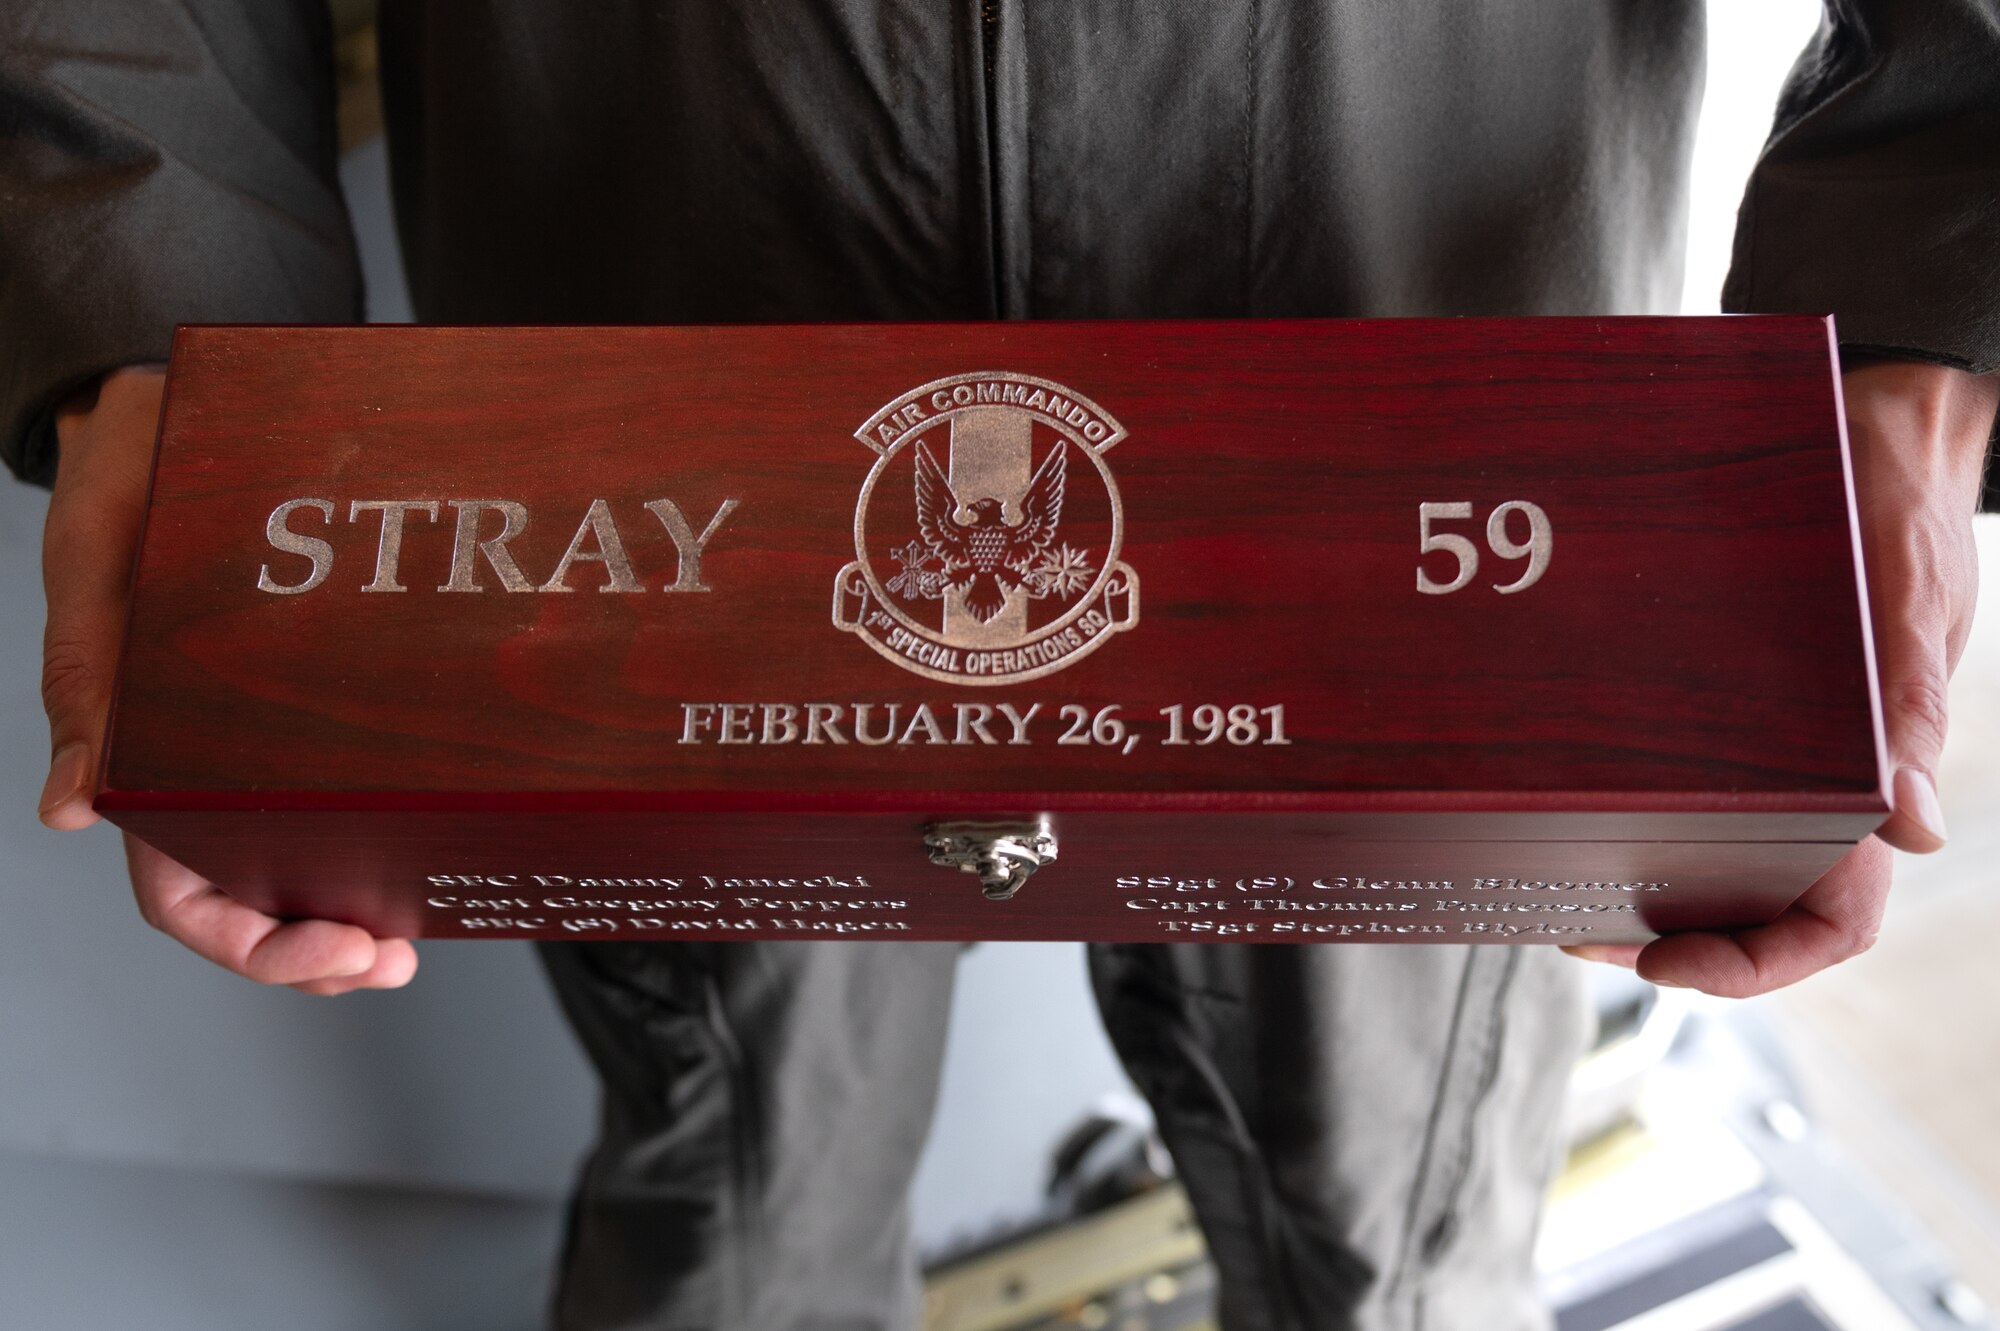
{"points": [[987, 534]]}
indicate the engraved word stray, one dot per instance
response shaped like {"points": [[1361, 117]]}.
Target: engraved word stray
{"points": [[597, 541]]}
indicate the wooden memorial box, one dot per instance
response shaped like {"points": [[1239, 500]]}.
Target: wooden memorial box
{"points": [[1485, 630]]}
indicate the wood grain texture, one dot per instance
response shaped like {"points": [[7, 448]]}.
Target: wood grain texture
{"points": [[1692, 668]]}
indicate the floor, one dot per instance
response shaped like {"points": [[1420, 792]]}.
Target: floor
{"points": [[1900, 1048]]}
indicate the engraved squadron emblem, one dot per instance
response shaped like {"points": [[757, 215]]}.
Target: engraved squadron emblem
{"points": [[987, 536]]}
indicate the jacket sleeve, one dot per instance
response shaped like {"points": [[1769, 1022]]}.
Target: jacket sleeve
{"points": [[1877, 197], [161, 162]]}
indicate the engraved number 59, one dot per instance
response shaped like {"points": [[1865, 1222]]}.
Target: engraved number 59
{"points": [[1541, 540]]}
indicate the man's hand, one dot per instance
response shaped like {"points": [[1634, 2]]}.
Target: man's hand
{"points": [[1919, 435], [106, 450]]}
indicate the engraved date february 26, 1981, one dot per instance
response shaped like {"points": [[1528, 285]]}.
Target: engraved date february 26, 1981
{"points": [[1114, 726]]}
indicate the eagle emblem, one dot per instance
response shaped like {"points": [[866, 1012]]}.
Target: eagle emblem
{"points": [[988, 531], [986, 559]]}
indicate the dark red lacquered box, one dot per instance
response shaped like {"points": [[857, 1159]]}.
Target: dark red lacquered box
{"points": [[1400, 631]]}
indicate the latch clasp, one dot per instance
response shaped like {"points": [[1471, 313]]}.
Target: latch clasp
{"points": [[1004, 854]]}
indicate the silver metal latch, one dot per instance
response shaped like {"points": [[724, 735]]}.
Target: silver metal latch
{"points": [[1004, 854]]}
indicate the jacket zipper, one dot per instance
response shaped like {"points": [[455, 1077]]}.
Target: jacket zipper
{"points": [[989, 47]]}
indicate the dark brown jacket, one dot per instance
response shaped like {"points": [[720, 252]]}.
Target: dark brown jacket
{"points": [[712, 160]]}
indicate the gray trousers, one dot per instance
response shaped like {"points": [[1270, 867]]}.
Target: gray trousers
{"points": [[1365, 1132]]}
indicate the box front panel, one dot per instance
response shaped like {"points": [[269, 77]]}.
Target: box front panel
{"points": [[1112, 878]]}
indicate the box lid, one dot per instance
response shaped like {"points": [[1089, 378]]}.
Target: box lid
{"points": [[1159, 565]]}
